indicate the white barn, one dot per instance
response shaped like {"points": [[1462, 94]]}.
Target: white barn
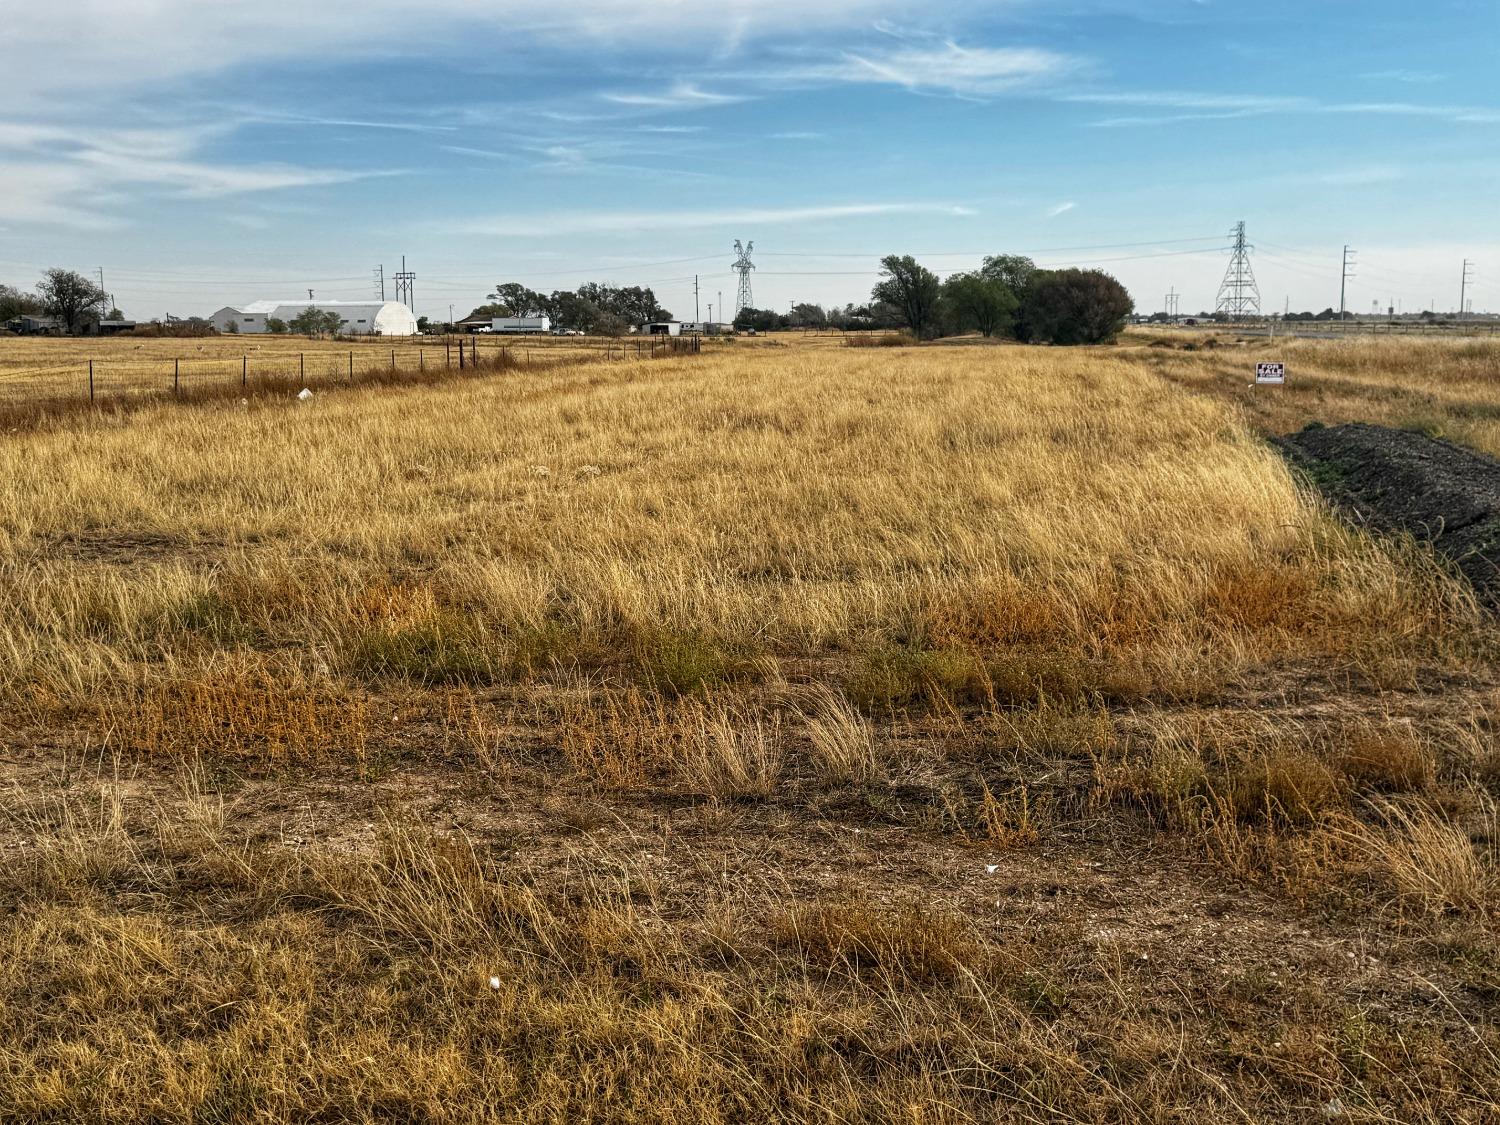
{"points": [[360, 318]]}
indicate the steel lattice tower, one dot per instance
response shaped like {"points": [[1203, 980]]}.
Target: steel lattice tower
{"points": [[1239, 296], [742, 266]]}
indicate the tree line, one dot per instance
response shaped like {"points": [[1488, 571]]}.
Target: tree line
{"points": [[592, 309], [1008, 295]]}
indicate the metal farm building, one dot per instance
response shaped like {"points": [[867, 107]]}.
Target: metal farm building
{"points": [[360, 318]]}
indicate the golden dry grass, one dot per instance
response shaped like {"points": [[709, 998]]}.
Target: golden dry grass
{"points": [[789, 733]]}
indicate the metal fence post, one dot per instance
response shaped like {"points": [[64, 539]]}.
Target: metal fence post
{"points": [[177, 376], [393, 359], [91, 380], [244, 371]]}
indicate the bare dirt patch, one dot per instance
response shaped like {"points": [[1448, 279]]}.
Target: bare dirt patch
{"points": [[1394, 480]]}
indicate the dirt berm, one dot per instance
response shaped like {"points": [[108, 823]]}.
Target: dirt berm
{"points": [[1400, 481]]}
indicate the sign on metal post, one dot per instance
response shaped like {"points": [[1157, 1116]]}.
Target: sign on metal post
{"points": [[1270, 374]]}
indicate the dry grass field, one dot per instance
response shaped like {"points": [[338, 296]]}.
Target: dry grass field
{"points": [[1446, 387], [127, 367], [791, 732]]}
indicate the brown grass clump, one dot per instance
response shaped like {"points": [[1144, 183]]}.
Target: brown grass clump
{"points": [[244, 709], [843, 741], [907, 943], [1390, 758]]}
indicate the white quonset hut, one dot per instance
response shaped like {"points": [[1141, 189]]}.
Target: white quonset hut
{"points": [[360, 318]]}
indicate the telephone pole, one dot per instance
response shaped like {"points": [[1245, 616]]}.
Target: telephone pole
{"points": [[697, 309], [1344, 277], [1172, 301], [1463, 290]]}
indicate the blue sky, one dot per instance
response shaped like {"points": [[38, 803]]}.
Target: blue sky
{"points": [[203, 157]]}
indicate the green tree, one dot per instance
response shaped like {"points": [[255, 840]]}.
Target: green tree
{"points": [[316, 322], [233, 327], [809, 316], [981, 303], [72, 298], [517, 300], [573, 313], [913, 289], [274, 325], [1072, 307], [489, 312], [1011, 270]]}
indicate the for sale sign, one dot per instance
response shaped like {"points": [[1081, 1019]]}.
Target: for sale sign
{"points": [[1270, 374]]}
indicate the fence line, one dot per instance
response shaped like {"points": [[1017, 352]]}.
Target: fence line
{"points": [[99, 380]]}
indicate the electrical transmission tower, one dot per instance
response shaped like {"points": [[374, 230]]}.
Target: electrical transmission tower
{"points": [[1463, 291], [404, 281], [379, 274], [742, 266], [1239, 296]]}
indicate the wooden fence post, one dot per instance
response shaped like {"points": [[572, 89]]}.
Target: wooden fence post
{"points": [[244, 371], [91, 380], [301, 365], [351, 367], [393, 359], [176, 376]]}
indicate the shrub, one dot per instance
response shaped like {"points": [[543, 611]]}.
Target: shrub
{"points": [[1072, 307]]}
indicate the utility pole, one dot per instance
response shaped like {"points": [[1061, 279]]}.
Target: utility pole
{"points": [[404, 286], [1463, 291], [697, 310], [1344, 277], [309, 295], [1172, 301], [721, 304]]}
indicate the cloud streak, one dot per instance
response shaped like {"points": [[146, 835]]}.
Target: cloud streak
{"points": [[607, 222]]}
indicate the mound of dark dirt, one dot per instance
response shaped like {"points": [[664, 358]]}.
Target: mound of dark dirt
{"points": [[1407, 482]]}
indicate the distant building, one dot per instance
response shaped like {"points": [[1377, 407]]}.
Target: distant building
{"points": [[664, 328], [706, 328], [35, 326], [359, 318]]}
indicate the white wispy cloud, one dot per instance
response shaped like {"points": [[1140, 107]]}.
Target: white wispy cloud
{"points": [[1060, 209], [80, 176], [924, 66], [1204, 106], [683, 95], [602, 222]]}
